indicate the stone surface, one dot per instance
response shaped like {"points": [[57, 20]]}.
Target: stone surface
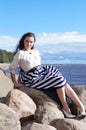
{"points": [[37, 126], [47, 109], [21, 103], [68, 124], [9, 119], [5, 84]]}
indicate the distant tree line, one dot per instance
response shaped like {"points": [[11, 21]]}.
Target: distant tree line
{"points": [[5, 56]]}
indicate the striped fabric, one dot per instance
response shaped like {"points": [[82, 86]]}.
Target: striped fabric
{"points": [[42, 77]]}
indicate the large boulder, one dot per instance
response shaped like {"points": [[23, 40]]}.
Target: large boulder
{"points": [[5, 84], [47, 109], [68, 124], [37, 126], [9, 119], [21, 103]]}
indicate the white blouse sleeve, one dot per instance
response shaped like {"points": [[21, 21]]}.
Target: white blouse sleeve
{"points": [[15, 63]]}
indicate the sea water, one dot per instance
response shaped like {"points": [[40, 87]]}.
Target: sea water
{"points": [[75, 73]]}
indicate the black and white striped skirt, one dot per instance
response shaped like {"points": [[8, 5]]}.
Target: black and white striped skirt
{"points": [[42, 77]]}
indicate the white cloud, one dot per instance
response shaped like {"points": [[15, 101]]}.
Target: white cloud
{"points": [[61, 39], [8, 42], [61, 57], [67, 37]]}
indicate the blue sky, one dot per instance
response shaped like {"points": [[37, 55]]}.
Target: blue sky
{"points": [[59, 25]]}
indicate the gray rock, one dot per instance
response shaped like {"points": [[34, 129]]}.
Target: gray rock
{"points": [[47, 109], [9, 119], [37, 126], [68, 124], [21, 103], [5, 84]]}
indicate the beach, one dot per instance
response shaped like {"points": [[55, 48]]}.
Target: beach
{"points": [[4, 65]]}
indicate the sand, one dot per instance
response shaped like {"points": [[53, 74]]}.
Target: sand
{"points": [[4, 65]]}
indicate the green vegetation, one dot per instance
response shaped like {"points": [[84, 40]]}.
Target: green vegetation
{"points": [[5, 56]]}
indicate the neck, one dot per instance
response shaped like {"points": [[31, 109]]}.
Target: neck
{"points": [[26, 49]]}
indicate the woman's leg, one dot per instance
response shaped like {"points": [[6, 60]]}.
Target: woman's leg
{"points": [[73, 96], [67, 90], [62, 97]]}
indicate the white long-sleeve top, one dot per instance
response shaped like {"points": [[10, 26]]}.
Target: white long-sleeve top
{"points": [[26, 60]]}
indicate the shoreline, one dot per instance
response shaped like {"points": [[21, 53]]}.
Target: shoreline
{"points": [[4, 65]]}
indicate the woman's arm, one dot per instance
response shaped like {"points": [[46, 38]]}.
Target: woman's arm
{"points": [[12, 67], [16, 84]]}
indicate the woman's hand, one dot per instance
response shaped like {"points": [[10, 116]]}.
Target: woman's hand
{"points": [[18, 85]]}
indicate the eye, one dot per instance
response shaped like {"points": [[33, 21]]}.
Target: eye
{"points": [[29, 41]]}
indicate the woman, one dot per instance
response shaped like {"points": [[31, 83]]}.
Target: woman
{"points": [[33, 74]]}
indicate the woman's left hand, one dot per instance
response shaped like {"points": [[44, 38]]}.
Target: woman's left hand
{"points": [[18, 85]]}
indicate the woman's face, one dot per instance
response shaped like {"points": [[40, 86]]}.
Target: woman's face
{"points": [[28, 42]]}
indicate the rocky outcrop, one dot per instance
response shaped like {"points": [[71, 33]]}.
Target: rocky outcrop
{"points": [[47, 112]]}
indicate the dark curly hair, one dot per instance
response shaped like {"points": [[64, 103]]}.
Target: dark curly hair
{"points": [[20, 46]]}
